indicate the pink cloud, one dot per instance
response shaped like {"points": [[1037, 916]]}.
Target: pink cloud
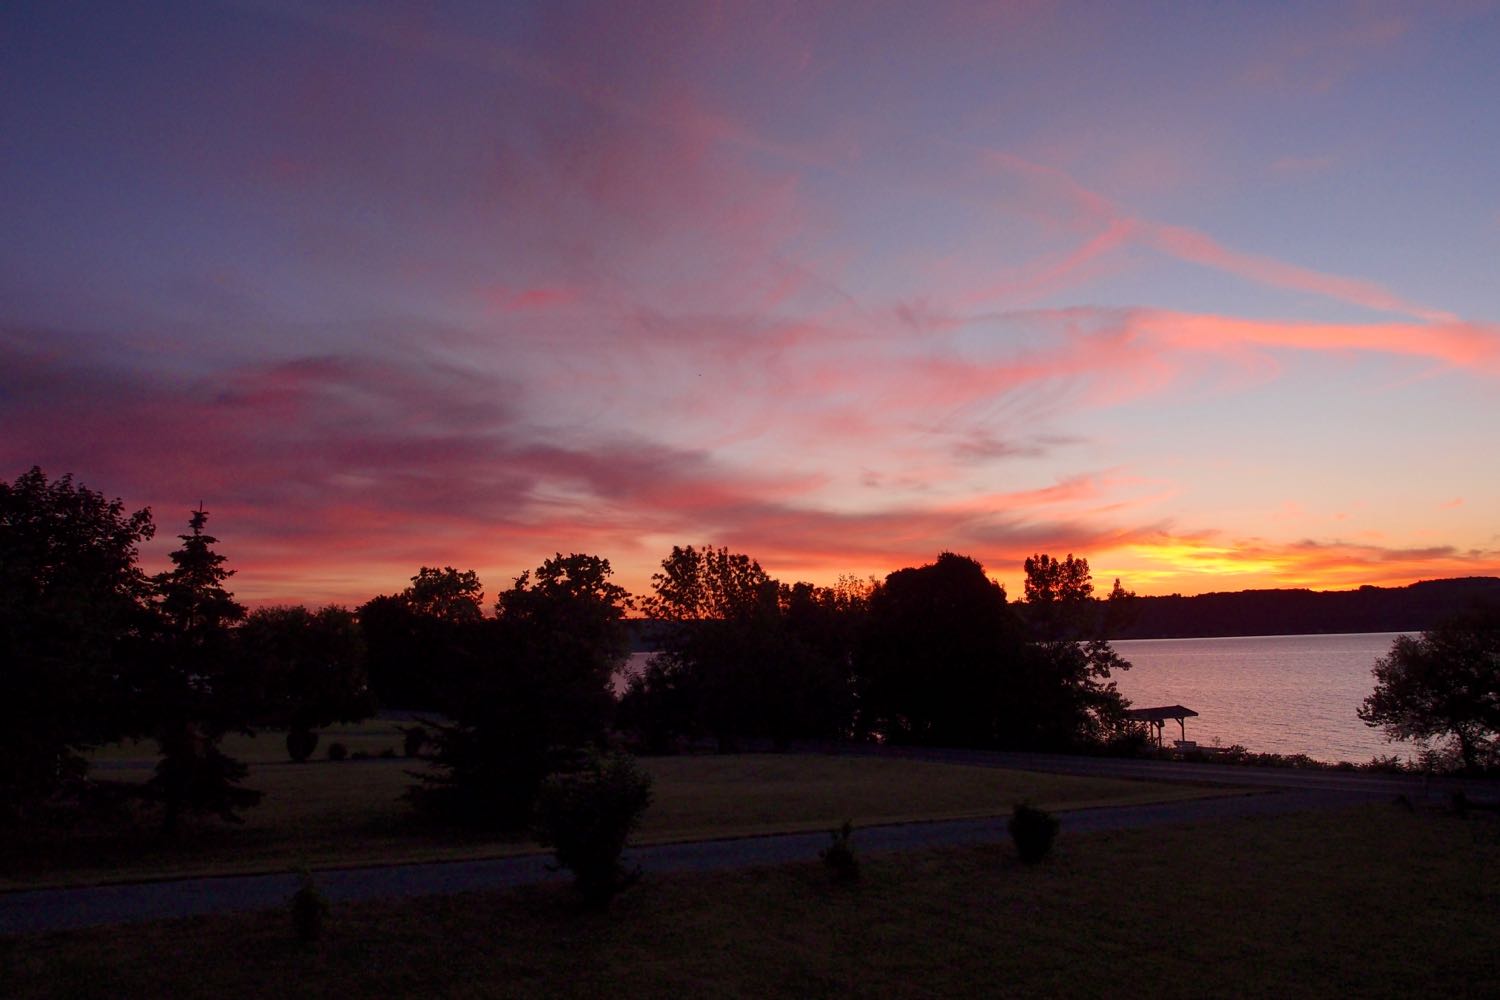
{"points": [[1314, 58], [1471, 346], [1114, 227], [1198, 248], [523, 299]]}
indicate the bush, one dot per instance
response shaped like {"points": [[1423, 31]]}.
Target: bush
{"points": [[839, 856], [413, 740], [389, 753], [484, 776], [309, 907], [337, 751], [586, 814], [1032, 830], [300, 744]]}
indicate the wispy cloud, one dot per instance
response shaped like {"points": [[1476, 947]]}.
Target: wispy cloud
{"points": [[1116, 227]]}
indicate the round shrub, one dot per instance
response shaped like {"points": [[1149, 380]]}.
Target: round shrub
{"points": [[839, 857], [585, 815], [337, 751], [1032, 830], [413, 740], [300, 744]]}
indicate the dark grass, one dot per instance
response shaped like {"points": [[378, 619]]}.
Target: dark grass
{"points": [[350, 813], [324, 813], [1371, 902]]}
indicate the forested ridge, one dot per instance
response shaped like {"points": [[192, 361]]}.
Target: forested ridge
{"points": [[1413, 608]]}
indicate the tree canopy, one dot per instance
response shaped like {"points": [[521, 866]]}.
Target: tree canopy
{"points": [[304, 669], [1443, 684], [535, 688], [741, 656], [939, 657], [1074, 702], [421, 642], [71, 600]]}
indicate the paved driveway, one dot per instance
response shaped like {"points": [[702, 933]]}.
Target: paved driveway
{"points": [[59, 909]]}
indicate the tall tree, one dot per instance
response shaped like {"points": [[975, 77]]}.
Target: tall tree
{"points": [[1443, 684], [1058, 597], [447, 594], [71, 599], [195, 694], [538, 689], [723, 629], [422, 642], [304, 670], [1072, 661], [939, 660]]}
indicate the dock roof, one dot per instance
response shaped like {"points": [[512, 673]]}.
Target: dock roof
{"points": [[1160, 714]]}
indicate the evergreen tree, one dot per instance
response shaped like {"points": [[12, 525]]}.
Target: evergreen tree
{"points": [[192, 685]]}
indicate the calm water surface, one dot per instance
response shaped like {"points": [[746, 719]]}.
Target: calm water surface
{"points": [[1273, 694]]}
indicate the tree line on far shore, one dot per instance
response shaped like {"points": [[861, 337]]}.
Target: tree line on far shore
{"points": [[95, 651]]}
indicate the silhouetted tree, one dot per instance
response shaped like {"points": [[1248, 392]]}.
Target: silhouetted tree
{"points": [[1075, 702], [1443, 684], [940, 658], [447, 594], [423, 641], [539, 690], [723, 630], [813, 680], [742, 656], [71, 597], [193, 690], [1058, 597], [305, 669]]}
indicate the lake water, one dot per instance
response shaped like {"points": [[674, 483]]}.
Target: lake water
{"points": [[1273, 694]]}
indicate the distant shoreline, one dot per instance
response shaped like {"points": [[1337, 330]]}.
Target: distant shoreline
{"points": [[1260, 613]]}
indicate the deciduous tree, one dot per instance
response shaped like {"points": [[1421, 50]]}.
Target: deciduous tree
{"points": [[538, 688], [422, 642], [1077, 703], [722, 628], [304, 670], [71, 601], [1443, 684], [941, 656]]}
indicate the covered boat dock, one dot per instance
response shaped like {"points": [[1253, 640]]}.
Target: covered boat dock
{"points": [[1156, 720]]}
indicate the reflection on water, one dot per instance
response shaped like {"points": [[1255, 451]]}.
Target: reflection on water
{"points": [[1273, 694]]}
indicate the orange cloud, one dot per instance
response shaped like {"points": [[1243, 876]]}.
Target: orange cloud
{"points": [[1199, 563]]}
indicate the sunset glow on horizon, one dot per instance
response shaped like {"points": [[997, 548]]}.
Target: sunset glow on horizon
{"points": [[1209, 295]]}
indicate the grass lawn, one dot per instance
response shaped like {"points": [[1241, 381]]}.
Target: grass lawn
{"points": [[325, 813], [1374, 902]]}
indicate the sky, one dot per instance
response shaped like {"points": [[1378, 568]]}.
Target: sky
{"points": [[1208, 294]]}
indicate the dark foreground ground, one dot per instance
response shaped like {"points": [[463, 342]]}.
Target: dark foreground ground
{"points": [[1373, 900], [1248, 792]]}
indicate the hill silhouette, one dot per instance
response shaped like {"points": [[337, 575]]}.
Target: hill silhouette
{"points": [[1413, 608]]}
